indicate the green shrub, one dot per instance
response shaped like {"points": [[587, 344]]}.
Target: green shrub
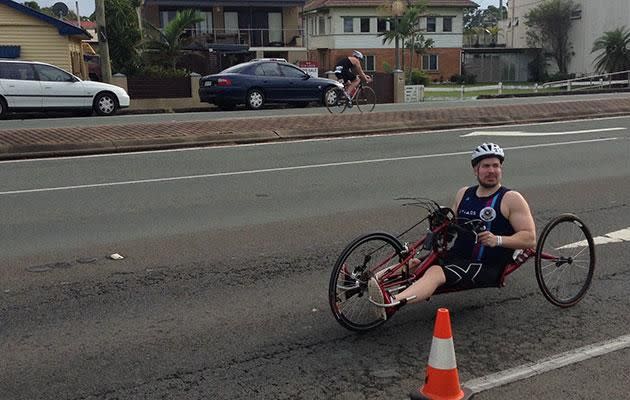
{"points": [[470, 79], [419, 77], [455, 78], [387, 67]]}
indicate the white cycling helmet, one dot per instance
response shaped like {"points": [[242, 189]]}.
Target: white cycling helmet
{"points": [[357, 54], [486, 150]]}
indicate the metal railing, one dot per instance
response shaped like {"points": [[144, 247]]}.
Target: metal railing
{"points": [[417, 93], [592, 81], [253, 37]]}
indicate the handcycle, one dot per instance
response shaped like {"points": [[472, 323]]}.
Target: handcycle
{"points": [[336, 98], [564, 261]]}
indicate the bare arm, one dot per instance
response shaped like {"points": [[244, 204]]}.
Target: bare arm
{"points": [[359, 69], [517, 211]]}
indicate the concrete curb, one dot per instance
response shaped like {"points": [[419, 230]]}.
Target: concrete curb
{"points": [[49, 142]]}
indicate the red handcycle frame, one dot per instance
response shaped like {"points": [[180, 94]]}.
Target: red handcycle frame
{"points": [[348, 288]]}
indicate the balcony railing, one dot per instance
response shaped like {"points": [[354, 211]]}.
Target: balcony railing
{"points": [[251, 37]]}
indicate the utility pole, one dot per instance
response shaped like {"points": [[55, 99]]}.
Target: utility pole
{"points": [[103, 47]]}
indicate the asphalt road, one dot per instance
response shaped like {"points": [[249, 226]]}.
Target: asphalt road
{"points": [[222, 292]]}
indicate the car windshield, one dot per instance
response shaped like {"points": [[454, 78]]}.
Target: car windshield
{"points": [[236, 68]]}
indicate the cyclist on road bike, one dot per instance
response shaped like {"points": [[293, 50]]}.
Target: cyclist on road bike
{"points": [[349, 69], [473, 261]]}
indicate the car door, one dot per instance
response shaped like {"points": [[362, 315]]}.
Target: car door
{"points": [[298, 84], [20, 86], [61, 89], [269, 78]]}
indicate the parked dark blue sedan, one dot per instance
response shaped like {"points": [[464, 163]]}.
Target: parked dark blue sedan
{"points": [[259, 82]]}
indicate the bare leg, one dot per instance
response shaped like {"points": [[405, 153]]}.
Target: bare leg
{"points": [[353, 85], [424, 287]]}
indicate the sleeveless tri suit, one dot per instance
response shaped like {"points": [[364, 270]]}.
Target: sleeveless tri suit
{"points": [[469, 264]]}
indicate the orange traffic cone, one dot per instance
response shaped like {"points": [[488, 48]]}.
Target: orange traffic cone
{"points": [[442, 380]]}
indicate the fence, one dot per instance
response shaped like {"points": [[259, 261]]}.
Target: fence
{"points": [[141, 87], [417, 93]]}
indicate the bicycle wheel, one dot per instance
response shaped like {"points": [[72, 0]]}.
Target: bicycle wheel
{"points": [[366, 99], [565, 260], [335, 100], [347, 292]]}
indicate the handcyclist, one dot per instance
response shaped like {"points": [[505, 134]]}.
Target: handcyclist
{"points": [[349, 69], [473, 262]]}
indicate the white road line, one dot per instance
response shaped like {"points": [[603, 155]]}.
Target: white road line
{"points": [[293, 168], [548, 364], [521, 133], [622, 235]]}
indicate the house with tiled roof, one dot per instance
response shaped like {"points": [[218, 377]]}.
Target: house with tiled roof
{"points": [[333, 28], [27, 34]]}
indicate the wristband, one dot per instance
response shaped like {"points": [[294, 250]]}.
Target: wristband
{"points": [[499, 241]]}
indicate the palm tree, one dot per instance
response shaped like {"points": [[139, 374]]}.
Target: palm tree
{"points": [[406, 29], [494, 31], [615, 47], [172, 39]]}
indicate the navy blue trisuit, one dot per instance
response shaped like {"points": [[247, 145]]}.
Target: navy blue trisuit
{"points": [[469, 264]]}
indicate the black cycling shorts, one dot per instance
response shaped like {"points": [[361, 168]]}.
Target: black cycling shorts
{"points": [[345, 74], [467, 274]]}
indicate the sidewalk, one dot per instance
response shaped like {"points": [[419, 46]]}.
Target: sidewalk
{"points": [[48, 142]]}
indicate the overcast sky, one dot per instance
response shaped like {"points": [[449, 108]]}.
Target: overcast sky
{"points": [[86, 7]]}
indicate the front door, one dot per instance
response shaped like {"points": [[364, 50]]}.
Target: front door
{"points": [[62, 90], [20, 86]]}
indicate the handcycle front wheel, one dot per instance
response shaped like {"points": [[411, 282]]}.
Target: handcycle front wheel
{"points": [[335, 100], [366, 99], [347, 292], [565, 260]]}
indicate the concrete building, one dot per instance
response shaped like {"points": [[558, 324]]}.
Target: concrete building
{"points": [[591, 21]]}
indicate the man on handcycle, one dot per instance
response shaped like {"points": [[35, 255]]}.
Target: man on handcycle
{"points": [[349, 69], [475, 259]]}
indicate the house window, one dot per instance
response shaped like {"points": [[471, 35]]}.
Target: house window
{"points": [[382, 25], [348, 24], [322, 26], [431, 24], [430, 62], [204, 26], [447, 24], [166, 17], [365, 25], [231, 21], [370, 63]]}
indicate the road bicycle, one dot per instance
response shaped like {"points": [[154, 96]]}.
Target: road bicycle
{"points": [[564, 261], [337, 100]]}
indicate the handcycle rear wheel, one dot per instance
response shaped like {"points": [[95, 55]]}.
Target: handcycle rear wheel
{"points": [[366, 99], [347, 292], [565, 260], [335, 100]]}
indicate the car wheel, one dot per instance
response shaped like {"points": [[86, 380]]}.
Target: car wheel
{"points": [[3, 108], [255, 99], [105, 104]]}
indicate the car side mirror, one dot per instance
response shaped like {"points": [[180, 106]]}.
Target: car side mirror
{"points": [[306, 76]]}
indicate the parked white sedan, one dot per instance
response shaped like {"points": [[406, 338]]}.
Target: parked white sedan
{"points": [[35, 86]]}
